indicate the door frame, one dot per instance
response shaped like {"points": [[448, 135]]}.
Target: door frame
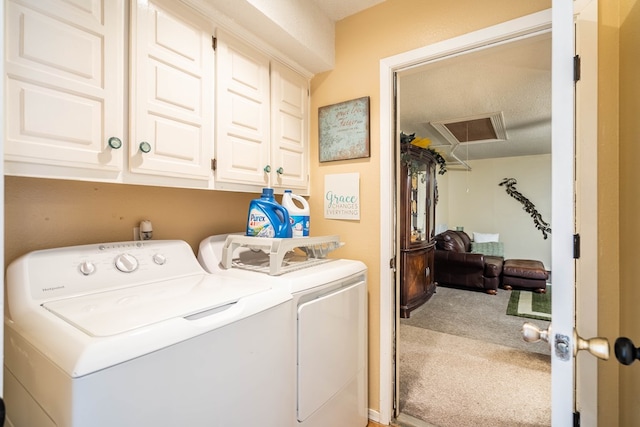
{"points": [[586, 210], [501, 33]]}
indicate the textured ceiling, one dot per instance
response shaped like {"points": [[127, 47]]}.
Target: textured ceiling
{"points": [[513, 78]]}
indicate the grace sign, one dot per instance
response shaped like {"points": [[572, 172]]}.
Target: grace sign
{"points": [[342, 196]]}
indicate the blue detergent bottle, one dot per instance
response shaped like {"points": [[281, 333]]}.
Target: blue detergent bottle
{"points": [[268, 218]]}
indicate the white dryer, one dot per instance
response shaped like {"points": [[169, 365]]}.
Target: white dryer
{"points": [[138, 334], [330, 319]]}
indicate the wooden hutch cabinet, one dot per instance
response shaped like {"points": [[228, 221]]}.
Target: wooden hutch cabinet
{"points": [[417, 227]]}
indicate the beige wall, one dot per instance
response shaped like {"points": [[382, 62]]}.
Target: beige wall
{"points": [[609, 285], [41, 213], [474, 200], [608, 266], [362, 40], [629, 176]]}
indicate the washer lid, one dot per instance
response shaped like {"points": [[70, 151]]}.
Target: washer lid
{"points": [[113, 312]]}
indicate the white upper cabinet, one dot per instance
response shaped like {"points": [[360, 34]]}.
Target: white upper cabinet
{"points": [[171, 121], [66, 98], [137, 92], [64, 88], [262, 116]]}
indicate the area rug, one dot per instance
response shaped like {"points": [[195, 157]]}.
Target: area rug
{"points": [[530, 304]]}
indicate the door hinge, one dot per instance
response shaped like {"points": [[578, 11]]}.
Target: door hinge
{"points": [[576, 419], [214, 42], [214, 164], [392, 264], [576, 246], [576, 68]]}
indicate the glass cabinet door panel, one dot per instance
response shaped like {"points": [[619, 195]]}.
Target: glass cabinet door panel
{"points": [[420, 185], [431, 208]]}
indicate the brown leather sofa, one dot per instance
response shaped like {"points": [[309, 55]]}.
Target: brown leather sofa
{"points": [[456, 266]]}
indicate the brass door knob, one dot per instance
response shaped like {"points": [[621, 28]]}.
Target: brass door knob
{"points": [[532, 333], [598, 347]]}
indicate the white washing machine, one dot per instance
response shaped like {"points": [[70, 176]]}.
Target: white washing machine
{"points": [[330, 325], [138, 334]]}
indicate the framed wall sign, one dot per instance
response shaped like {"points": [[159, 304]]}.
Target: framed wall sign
{"points": [[342, 196], [344, 130]]}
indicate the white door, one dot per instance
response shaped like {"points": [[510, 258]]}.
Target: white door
{"points": [[243, 113], [571, 394], [562, 20], [562, 212], [289, 129], [171, 92], [64, 88]]}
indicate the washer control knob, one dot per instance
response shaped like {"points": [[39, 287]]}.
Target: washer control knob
{"points": [[126, 263], [87, 268], [159, 259]]}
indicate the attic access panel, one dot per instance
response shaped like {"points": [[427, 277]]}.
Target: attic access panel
{"points": [[472, 130], [482, 128]]}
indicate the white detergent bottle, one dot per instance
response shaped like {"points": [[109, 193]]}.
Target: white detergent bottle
{"points": [[298, 209]]}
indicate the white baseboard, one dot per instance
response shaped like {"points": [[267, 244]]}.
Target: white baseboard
{"points": [[374, 415]]}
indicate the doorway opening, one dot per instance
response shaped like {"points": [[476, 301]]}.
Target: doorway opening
{"points": [[565, 93], [563, 117], [461, 341]]}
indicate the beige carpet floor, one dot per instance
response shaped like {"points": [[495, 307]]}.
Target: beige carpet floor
{"points": [[475, 315], [454, 381]]}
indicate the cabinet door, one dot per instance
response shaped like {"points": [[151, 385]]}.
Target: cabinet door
{"points": [[243, 114], [417, 284], [64, 75], [289, 128], [171, 92]]}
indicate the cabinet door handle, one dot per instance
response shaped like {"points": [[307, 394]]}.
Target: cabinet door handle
{"points": [[267, 168], [280, 171], [145, 147], [427, 271], [114, 142]]}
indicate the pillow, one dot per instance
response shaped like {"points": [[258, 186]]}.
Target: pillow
{"points": [[485, 237], [488, 248]]}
